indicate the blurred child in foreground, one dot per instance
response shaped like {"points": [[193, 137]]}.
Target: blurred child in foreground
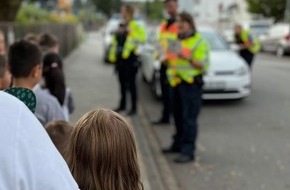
{"points": [[102, 153]]}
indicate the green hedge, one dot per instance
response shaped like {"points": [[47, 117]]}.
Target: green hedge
{"points": [[30, 14]]}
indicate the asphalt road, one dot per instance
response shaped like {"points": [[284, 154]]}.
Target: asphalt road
{"points": [[243, 145]]}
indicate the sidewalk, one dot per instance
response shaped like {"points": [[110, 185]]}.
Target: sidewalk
{"points": [[94, 85]]}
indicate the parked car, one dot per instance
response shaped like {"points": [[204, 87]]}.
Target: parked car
{"points": [[278, 39], [111, 27], [150, 63], [228, 76], [258, 28]]}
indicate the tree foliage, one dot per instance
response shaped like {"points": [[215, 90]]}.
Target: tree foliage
{"points": [[268, 8], [9, 9], [108, 7], [31, 14], [154, 10]]}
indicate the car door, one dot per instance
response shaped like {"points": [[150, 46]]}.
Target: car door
{"points": [[268, 42], [279, 35]]}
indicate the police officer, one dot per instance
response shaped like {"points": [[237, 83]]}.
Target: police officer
{"points": [[248, 46], [189, 59], [168, 31], [123, 52]]}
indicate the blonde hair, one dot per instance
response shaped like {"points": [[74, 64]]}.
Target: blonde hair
{"points": [[102, 154], [60, 134]]}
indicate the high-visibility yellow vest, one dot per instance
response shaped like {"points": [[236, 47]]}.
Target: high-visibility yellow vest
{"points": [[166, 34], [194, 48], [136, 36], [255, 48]]}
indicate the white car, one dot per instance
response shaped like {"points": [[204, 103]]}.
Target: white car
{"points": [[228, 77]]}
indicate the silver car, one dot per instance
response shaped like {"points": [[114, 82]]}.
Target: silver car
{"points": [[278, 39]]}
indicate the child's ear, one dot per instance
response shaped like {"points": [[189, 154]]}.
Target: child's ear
{"points": [[36, 72]]}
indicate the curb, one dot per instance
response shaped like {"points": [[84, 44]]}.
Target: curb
{"points": [[162, 169]]}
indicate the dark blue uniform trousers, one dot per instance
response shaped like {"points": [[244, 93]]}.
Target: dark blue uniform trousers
{"points": [[187, 103]]}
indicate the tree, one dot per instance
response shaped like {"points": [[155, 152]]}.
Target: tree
{"points": [[9, 9], [154, 10], [107, 6], [268, 8]]}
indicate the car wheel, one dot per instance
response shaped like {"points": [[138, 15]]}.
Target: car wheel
{"points": [[156, 86], [280, 51]]}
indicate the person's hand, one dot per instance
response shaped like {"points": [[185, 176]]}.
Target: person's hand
{"points": [[181, 56], [242, 47]]}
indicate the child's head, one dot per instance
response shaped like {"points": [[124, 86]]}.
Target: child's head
{"points": [[48, 43], [5, 76], [60, 134], [53, 76], [102, 153], [32, 38], [2, 43], [25, 62]]}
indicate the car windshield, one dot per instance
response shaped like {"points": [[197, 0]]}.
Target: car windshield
{"points": [[215, 41]]}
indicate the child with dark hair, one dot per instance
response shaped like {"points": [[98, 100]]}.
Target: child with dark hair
{"points": [[32, 38], [25, 62], [55, 82], [48, 43], [60, 134], [5, 76]]}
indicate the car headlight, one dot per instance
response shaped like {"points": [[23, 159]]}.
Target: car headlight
{"points": [[242, 71]]}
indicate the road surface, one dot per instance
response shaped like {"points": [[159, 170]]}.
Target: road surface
{"points": [[243, 145]]}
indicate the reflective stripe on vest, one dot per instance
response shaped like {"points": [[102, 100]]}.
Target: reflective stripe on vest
{"points": [[113, 51], [256, 44], [181, 70]]}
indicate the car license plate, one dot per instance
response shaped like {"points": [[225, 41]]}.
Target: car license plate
{"points": [[214, 85]]}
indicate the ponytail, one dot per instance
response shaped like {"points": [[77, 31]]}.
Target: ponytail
{"points": [[54, 76]]}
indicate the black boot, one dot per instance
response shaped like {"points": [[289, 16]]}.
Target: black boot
{"points": [[183, 158], [170, 150]]}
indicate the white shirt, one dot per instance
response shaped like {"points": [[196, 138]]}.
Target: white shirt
{"points": [[28, 159]]}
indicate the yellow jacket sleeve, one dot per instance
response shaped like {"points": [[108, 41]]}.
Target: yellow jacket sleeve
{"points": [[201, 54]]}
